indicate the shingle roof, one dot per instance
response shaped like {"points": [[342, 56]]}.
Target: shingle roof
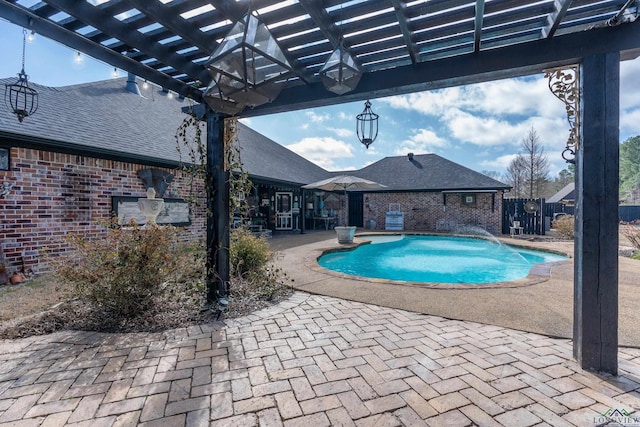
{"points": [[426, 172], [103, 118], [566, 193], [264, 158]]}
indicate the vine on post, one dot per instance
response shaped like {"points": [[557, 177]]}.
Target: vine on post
{"points": [[192, 150]]}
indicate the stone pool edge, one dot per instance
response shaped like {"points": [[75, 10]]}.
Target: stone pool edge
{"points": [[539, 273]]}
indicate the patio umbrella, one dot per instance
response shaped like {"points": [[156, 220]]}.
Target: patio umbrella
{"points": [[344, 183]]}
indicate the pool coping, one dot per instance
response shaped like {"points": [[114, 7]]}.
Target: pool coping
{"points": [[539, 273]]}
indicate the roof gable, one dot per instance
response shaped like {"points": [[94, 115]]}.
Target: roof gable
{"points": [[426, 172], [566, 193]]}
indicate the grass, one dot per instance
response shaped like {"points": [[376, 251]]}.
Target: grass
{"points": [[31, 297], [44, 304]]}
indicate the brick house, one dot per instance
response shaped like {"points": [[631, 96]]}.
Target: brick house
{"points": [[77, 159], [433, 193]]}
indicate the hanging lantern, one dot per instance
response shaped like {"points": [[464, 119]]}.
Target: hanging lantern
{"points": [[367, 125], [248, 68], [340, 73], [19, 96]]}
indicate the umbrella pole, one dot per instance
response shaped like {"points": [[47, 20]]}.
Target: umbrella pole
{"points": [[346, 208]]}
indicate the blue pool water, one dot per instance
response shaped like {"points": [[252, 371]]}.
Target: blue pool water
{"points": [[437, 259]]}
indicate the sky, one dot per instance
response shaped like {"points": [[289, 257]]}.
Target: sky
{"points": [[479, 126]]}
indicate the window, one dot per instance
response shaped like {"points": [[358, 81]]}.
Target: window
{"points": [[469, 199], [4, 159]]}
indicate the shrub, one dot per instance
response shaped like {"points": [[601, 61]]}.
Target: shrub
{"points": [[632, 232], [564, 226], [254, 281], [123, 272], [247, 253]]}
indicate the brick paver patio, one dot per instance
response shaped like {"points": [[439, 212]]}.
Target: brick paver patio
{"points": [[311, 361]]}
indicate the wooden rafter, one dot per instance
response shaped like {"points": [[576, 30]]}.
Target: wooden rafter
{"points": [[401, 7]]}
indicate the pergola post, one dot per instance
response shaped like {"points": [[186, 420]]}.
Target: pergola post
{"points": [[217, 188], [595, 328]]}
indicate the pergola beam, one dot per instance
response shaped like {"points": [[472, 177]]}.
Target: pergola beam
{"points": [[175, 23], [26, 19], [554, 19], [106, 23], [487, 65], [477, 33], [401, 6]]}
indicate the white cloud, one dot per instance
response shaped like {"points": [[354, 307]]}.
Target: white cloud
{"points": [[317, 118], [484, 131], [342, 132], [629, 88], [421, 142], [427, 103], [498, 164], [630, 123], [523, 96], [323, 151]]}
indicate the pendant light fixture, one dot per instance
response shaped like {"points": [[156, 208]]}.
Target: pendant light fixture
{"points": [[340, 73], [367, 125], [248, 68], [19, 96]]}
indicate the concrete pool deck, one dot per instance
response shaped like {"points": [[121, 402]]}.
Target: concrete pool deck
{"points": [[545, 307], [313, 360]]}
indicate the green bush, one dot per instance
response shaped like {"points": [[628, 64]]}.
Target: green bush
{"points": [[564, 226], [125, 270], [254, 281], [247, 253]]}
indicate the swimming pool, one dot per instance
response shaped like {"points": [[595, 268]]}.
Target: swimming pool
{"points": [[437, 259]]}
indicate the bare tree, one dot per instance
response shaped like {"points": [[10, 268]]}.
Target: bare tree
{"points": [[536, 164], [516, 176]]}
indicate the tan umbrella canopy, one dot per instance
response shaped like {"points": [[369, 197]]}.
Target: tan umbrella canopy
{"points": [[344, 183]]}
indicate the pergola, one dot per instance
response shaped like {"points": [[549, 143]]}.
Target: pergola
{"points": [[400, 47]]}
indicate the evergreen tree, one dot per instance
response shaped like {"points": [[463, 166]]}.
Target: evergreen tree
{"points": [[630, 170]]}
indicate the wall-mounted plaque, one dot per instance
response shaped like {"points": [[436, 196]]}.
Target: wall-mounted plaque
{"points": [[174, 212]]}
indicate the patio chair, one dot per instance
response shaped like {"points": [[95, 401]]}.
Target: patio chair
{"points": [[515, 229]]}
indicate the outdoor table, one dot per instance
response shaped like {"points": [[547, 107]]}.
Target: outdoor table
{"points": [[326, 219]]}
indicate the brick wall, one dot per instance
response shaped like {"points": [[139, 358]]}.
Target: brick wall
{"points": [[422, 211], [54, 194]]}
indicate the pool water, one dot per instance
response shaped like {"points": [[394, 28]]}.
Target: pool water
{"points": [[437, 259]]}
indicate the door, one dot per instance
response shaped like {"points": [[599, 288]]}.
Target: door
{"points": [[284, 217], [355, 209]]}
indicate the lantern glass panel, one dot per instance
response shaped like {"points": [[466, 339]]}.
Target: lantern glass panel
{"points": [[248, 67], [340, 74]]}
